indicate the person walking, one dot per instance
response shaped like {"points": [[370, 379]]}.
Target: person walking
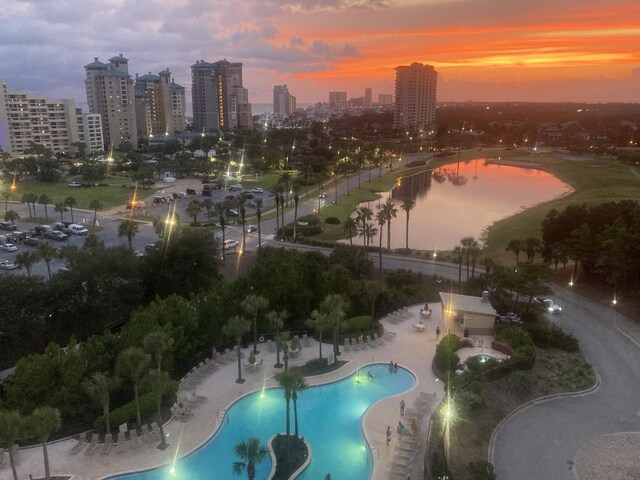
{"points": [[437, 333], [402, 405], [400, 430], [388, 434]]}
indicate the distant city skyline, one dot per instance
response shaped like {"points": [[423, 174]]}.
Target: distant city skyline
{"points": [[483, 50]]}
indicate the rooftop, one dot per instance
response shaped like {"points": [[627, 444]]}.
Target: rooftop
{"points": [[467, 303]]}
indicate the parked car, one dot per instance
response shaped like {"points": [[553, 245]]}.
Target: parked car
{"points": [[7, 265], [78, 229], [257, 190], [4, 225], [32, 242], [248, 194], [150, 247], [232, 213], [229, 244], [41, 230], [549, 304], [61, 227], [75, 184], [8, 247], [16, 236], [56, 235], [207, 190]]}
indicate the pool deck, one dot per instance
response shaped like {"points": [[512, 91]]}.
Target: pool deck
{"points": [[409, 348]]}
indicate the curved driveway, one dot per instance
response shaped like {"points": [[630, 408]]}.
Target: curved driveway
{"points": [[541, 441]]}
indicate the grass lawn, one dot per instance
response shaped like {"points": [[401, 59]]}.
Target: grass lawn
{"points": [[116, 193]]}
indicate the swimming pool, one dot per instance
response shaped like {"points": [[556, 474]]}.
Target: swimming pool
{"points": [[329, 419]]}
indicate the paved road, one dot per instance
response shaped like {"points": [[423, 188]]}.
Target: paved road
{"points": [[540, 442]]}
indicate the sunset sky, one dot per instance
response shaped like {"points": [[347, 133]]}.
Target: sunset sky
{"points": [[484, 50]]}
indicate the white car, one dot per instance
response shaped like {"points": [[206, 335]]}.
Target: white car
{"points": [[7, 265], [78, 229], [8, 247], [257, 190], [229, 244], [549, 305], [75, 184]]}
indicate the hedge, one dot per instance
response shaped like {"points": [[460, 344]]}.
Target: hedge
{"points": [[446, 356], [524, 353], [127, 413], [332, 220], [550, 336], [359, 324]]}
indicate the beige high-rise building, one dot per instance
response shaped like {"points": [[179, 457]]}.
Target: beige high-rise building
{"points": [[338, 99], [110, 93], [415, 96], [159, 103], [90, 131], [368, 98], [27, 118], [220, 102], [284, 104], [385, 99]]}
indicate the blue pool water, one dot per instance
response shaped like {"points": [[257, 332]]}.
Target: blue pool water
{"points": [[329, 419]]}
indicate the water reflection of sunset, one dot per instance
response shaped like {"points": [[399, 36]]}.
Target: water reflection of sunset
{"points": [[463, 199]]}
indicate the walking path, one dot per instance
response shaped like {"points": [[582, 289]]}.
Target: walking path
{"points": [[409, 348]]}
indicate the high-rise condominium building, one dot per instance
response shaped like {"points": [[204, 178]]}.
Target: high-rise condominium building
{"points": [[368, 98], [160, 104], [27, 118], [110, 94], [284, 104], [385, 99], [220, 102], [338, 99], [415, 97], [90, 131]]}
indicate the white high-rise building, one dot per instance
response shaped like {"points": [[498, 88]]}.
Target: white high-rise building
{"points": [[110, 93], [27, 118], [284, 104], [415, 97], [90, 131]]}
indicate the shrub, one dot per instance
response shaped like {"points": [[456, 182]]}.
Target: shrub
{"points": [[482, 470], [127, 413], [446, 357], [359, 324], [332, 220], [550, 336]]}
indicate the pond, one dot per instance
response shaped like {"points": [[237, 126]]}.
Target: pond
{"points": [[462, 199]]}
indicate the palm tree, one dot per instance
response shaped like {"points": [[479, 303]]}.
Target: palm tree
{"points": [[128, 228], [319, 321], [26, 260], [44, 200], [295, 187], [33, 199], [282, 211], [11, 216], [381, 219], [95, 205], [459, 255], [282, 345], [43, 422], [236, 328], [285, 180], [286, 381], [250, 454], [99, 388], [390, 211], [514, 246], [467, 244], [242, 199], [258, 203], [157, 381], [47, 253], [407, 205], [368, 232], [335, 306], [157, 344], [532, 245], [363, 215], [193, 210], [11, 428], [276, 320], [25, 199], [221, 208], [207, 204], [70, 202], [252, 306], [298, 384], [6, 195], [350, 227], [131, 364], [61, 208]]}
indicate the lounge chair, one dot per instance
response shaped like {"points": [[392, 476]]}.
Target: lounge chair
{"points": [[145, 434], [82, 442], [121, 442], [154, 431], [108, 443], [306, 340], [133, 438], [371, 342], [271, 346], [93, 446], [347, 346]]}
